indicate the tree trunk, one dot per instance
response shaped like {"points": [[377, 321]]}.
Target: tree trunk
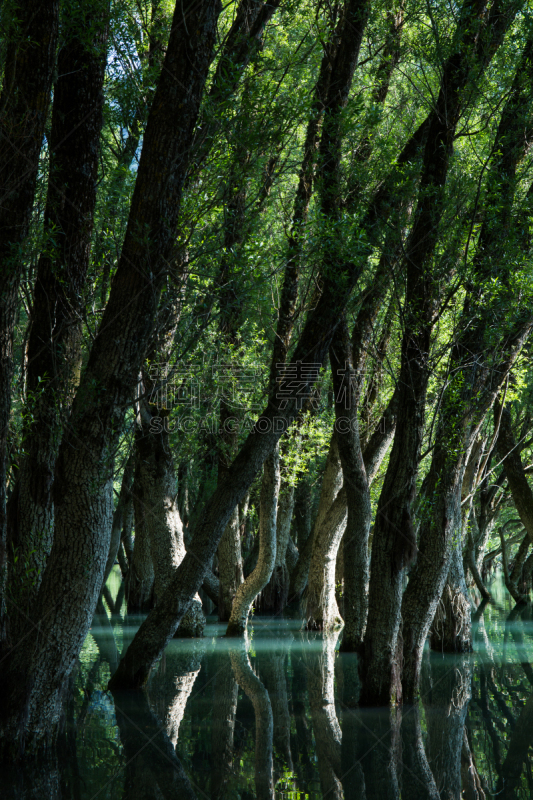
{"points": [[140, 580], [394, 542], [275, 594], [331, 484], [255, 583], [120, 516], [161, 516], [452, 628], [347, 387], [514, 469], [31, 35], [37, 670], [321, 611], [476, 390], [54, 346]]}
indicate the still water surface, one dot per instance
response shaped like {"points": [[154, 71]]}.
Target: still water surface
{"points": [[277, 718]]}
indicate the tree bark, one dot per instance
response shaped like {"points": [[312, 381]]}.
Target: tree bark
{"points": [[256, 582], [31, 35], [479, 382], [54, 346], [37, 670], [394, 544], [161, 518], [331, 484], [508, 451], [140, 580], [276, 592]]}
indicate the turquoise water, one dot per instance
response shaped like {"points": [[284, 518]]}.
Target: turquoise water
{"points": [[274, 717]]}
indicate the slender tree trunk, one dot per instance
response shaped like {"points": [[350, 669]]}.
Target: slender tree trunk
{"points": [[347, 386], [256, 582], [394, 542], [276, 592], [321, 610], [120, 516], [140, 580]]}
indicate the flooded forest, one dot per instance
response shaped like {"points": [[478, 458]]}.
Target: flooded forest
{"points": [[266, 405]]}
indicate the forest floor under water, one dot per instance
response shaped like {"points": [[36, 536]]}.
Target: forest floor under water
{"points": [[275, 717]]}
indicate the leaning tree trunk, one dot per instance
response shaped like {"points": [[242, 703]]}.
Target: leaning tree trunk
{"points": [[256, 582], [356, 487], [478, 386], [394, 543]]}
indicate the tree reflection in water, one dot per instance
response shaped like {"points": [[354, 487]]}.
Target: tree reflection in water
{"points": [[277, 716]]}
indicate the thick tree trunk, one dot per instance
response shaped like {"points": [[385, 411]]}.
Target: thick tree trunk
{"points": [[54, 346], [256, 582], [31, 34], [451, 631], [37, 670]]}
